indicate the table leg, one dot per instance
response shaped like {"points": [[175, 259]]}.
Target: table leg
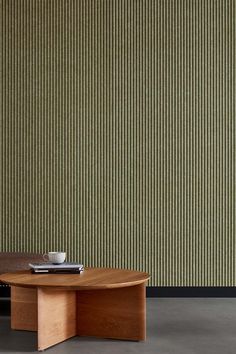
{"points": [[118, 313], [56, 316], [24, 309]]}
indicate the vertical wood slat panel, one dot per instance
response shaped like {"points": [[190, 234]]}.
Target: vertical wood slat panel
{"points": [[118, 134]]}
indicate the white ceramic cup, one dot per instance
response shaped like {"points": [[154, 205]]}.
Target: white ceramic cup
{"points": [[55, 257]]}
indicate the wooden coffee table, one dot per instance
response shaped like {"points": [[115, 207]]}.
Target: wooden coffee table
{"points": [[100, 302]]}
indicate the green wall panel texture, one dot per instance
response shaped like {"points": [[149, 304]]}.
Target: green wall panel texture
{"points": [[118, 134]]}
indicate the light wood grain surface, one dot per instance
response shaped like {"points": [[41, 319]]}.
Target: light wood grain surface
{"points": [[112, 313], [24, 309], [91, 278], [56, 316]]}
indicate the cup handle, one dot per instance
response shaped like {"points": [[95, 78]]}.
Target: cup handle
{"points": [[45, 257]]}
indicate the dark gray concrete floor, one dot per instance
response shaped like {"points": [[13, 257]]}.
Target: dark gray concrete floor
{"points": [[174, 326]]}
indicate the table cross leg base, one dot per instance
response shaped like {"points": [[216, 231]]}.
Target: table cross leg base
{"points": [[58, 314]]}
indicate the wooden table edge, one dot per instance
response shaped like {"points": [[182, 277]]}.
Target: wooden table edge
{"points": [[85, 287]]}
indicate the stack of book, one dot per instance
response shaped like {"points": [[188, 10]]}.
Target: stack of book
{"points": [[64, 268]]}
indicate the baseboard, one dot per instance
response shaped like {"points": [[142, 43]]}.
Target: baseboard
{"points": [[151, 291], [172, 291], [5, 291], [193, 291], [5, 306]]}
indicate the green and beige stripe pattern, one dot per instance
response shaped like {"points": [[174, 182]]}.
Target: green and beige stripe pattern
{"points": [[118, 134]]}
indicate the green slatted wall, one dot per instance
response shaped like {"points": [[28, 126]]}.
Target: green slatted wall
{"points": [[118, 134]]}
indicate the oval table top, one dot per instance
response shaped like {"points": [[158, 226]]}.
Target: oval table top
{"points": [[90, 278]]}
